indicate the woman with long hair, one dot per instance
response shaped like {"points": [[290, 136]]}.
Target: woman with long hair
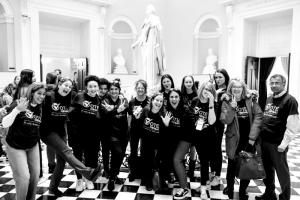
{"points": [[136, 106], [152, 128], [189, 92], [21, 142], [116, 109], [182, 128], [243, 117], [55, 112], [205, 117], [26, 78], [221, 80]]}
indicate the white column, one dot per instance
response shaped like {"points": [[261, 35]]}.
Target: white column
{"points": [[294, 88], [102, 46], [230, 29]]}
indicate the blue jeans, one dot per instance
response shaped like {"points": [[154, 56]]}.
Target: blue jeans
{"points": [[25, 165]]}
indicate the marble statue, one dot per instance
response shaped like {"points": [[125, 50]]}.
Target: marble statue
{"points": [[150, 41]]}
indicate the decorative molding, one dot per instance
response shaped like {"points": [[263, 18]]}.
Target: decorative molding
{"points": [[97, 2], [203, 19], [5, 19], [127, 21]]}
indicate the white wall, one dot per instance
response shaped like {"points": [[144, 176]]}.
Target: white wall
{"points": [[274, 37], [178, 19], [56, 41]]}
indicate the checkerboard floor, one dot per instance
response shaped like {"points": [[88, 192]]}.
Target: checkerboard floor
{"points": [[133, 190]]}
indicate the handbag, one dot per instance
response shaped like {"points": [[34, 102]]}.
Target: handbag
{"points": [[250, 165]]}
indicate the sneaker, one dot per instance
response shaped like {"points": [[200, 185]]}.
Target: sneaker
{"points": [[89, 185], [215, 181], [79, 185], [181, 193], [55, 192]]}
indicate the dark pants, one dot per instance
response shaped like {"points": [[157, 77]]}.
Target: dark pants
{"points": [[205, 148], [105, 152], [150, 154], [118, 149], [217, 158], [51, 157], [134, 145], [87, 150], [64, 154], [178, 161], [230, 176], [276, 161]]}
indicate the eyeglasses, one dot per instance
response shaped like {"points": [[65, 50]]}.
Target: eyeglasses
{"points": [[237, 87]]}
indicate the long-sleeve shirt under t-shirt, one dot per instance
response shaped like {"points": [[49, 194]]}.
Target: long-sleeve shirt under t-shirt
{"points": [[23, 133], [276, 113]]}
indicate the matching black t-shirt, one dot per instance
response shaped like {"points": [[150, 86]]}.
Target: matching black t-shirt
{"points": [[136, 106], [244, 124], [275, 117], [117, 122], [24, 132], [55, 113]]}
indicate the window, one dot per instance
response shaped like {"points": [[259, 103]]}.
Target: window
{"points": [[122, 34]]}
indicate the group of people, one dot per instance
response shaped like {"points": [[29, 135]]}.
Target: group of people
{"points": [[169, 124]]}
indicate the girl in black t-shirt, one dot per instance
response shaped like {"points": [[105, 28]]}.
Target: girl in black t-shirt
{"points": [[152, 128], [221, 80], [189, 92], [205, 117], [22, 149], [136, 106], [179, 131], [84, 136], [53, 133], [115, 107]]}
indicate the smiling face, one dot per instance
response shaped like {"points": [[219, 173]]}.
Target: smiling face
{"points": [[65, 88], [140, 89], [39, 96], [114, 91], [188, 83], [277, 85], [219, 79], [157, 102], [167, 83], [174, 99], [103, 89], [237, 89], [92, 88]]}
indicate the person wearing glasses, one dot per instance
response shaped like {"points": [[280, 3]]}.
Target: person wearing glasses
{"points": [[243, 118], [280, 124]]}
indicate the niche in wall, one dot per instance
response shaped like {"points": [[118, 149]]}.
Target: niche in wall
{"points": [[122, 58], [206, 44]]}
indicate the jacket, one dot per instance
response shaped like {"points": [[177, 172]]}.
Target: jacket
{"points": [[229, 117]]}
